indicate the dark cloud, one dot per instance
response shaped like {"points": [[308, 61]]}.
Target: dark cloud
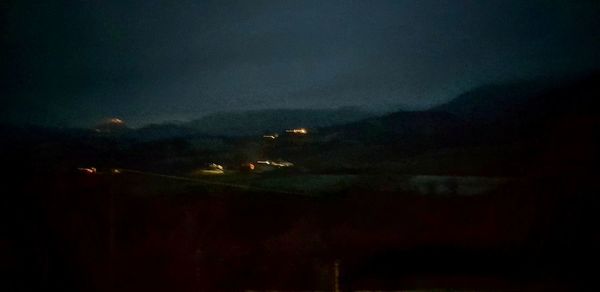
{"points": [[74, 63]]}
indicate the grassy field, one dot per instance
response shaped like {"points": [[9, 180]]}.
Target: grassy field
{"points": [[326, 184], [135, 232]]}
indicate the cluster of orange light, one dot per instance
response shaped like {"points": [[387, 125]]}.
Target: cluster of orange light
{"points": [[297, 131], [90, 170], [116, 121]]}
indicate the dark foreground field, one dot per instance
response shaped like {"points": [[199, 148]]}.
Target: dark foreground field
{"points": [[132, 232]]}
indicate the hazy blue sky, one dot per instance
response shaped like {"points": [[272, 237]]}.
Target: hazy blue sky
{"points": [[75, 62]]}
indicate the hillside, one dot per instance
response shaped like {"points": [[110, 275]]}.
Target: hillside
{"points": [[527, 103], [260, 121], [507, 129]]}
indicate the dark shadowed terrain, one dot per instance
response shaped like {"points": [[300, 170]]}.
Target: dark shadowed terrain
{"points": [[495, 190]]}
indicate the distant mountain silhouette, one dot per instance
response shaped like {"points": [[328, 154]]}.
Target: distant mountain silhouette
{"points": [[490, 129], [273, 120], [503, 110], [161, 131], [488, 112], [400, 128], [527, 103], [504, 129]]}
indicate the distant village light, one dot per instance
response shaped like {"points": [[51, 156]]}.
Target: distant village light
{"points": [[90, 170], [271, 136], [110, 125], [116, 121], [301, 131], [211, 169]]}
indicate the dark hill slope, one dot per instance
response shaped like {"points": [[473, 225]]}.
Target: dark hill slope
{"points": [[276, 120], [501, 129], [518, 110]]}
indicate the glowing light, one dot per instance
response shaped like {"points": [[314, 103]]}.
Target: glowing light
{"points": [[274, 136], [301, 131], [210, 169], [277, 164], [89, 170], [116, 121], [214, 166], [282, 164]]}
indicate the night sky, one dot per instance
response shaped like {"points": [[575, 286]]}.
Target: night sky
{"points": [[72, 63]]}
